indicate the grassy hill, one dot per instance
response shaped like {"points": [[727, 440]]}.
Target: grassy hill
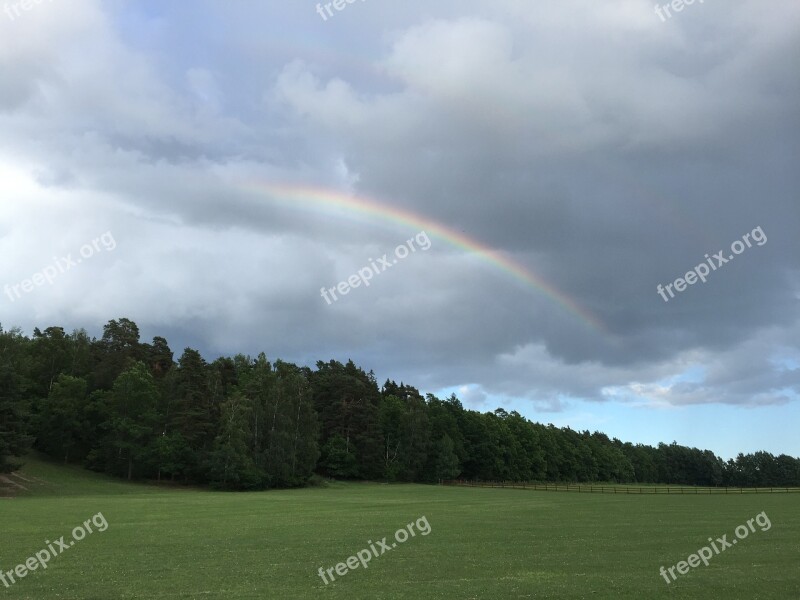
{"points": [[483, 543], [41, 477]]}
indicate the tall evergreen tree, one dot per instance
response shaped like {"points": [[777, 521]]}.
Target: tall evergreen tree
{"points": [[134, 399], [193, 414], [230, 463], [62, 426], [118, 350], [14, 407], [447, 465]]}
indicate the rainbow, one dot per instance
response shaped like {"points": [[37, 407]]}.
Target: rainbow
{"points": [[314, 198]]}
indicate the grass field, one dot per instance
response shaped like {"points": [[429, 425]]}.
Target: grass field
{"points": [[483, 543]]}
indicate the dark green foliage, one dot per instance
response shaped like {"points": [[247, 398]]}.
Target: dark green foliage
{"points": [[117, 351], [231, 465], [134, 399], [348, 402], [62, 425], [127, 409], [339, 459], [14, 406], [14, 440], [447, 466]]}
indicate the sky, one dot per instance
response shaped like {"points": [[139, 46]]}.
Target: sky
{"points": [[479, 198]]}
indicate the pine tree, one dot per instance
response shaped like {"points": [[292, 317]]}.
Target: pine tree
{"points": [[14, 411], [61, 422], [447, 466], [230, 463], [134, 399]]}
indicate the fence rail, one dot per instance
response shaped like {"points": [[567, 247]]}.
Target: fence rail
{"points": [[619, 489]]}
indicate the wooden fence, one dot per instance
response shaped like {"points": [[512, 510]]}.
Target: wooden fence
{"points": [[618, 489]]}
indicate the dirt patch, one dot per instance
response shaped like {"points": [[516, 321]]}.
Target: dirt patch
{"points": [[12, 483]]}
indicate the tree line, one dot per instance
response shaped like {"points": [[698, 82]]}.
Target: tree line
{"points": [[129, 409]]}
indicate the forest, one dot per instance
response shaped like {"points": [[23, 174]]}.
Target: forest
{"points": [[127, 408]]}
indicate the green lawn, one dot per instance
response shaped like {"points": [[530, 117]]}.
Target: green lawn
{"points": [[484, 543]]}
